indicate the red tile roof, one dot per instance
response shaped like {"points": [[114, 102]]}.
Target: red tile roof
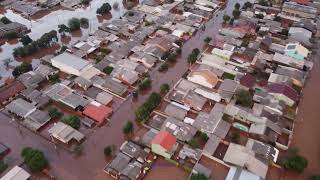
{"points": [[10, 90], [97, 112], [165, 139], [303, 2]]}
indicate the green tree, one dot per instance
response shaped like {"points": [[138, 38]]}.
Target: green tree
{"points": [[84, 22], [144, 84], [142, 112], [104, 9], [194, 144], [25, 40], [163, 67], [244, 98], [294, 161], [314, 177], [128, 128], [11, 35], [204, 136], [226, 18], [3, 166], [77, 149], [247, 5], [164, 88], [34, 159], [178, 42], [72, 121], [192, 58], [5, 20], [74, 24], [172, 57], [54, 113], [108, 70], [23, 68], [236, 13], [54, 78], [108, 150], [207, 40], [235, 137], [237, 6], [62, 29], [198, 176], [85, 2]]}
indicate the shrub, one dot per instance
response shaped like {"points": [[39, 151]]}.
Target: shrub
{"points": [[237, 6], [5, 20], [23, 68], [172, 57], [11, 35], [236, 13], [84, 22], [164, 88], [204, 136], [34, 159], [105, 50], [108, 70], [226, 18], [25, 40], [207, 40], [178, 42], [3, 166], [198, 176], [295, 162], [247, 5], [54, 78], [72, 121], [74, 24], [235, 137], [178, 51]]}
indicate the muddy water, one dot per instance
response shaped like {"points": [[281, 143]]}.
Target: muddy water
{"points": [[89, 166]]}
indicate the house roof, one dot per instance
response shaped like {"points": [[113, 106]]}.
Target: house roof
{"points": [[285, 90], [10, 90], [65, 133], [179, 129], [248, 80], [71, 60], [206, 75], [21, 107], [97, 111], [165, 139], [16, 173]]}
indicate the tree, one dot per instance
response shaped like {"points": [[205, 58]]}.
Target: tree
{"points": [[63, 29], [54, 78], [263, 3], [54, 113], [295, 162], [23, 68], [244, 98], [144, 84], [204, 136], [193, 144], [34, 159], [237, 6], [196, 51], [85, 2], [260, 16], [104, 9], [3, 166], [164, 88], [235, 137], [247, 5], [72, 121], [172, 57], [178, 51], [77, 149], [25, 40], [11, 35], [108, 70], [5, 20], [128, 128], [198, 176], [236, 13], [84, 22], [178, 42], [314, 177], [277, 18], [207, 40], [226, 18], [163, 67], [107, 151], [142, 112], [74, 24]]}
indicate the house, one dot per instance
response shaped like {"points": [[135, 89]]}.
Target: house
{"points": [[133, 150], [31, 79], [248, 81], [82, 82], [237, 173], [12, 27], [297, 11], [201, 169], [104, 98], [110, 85], [71, 64], [146, 59], [132, 171], [36, 120], [224, 54], [204, 78], [296, 50], [265, 130], [212, 123], [164, 144], [20, 108], [127, 76], [118, 164], [65, 133], [288, 61], [176, 110], [45, 70], [279, 79], [187, 153], [74, 101], [227, 89], [284, 93], [301, 35], [16, 173], [182, 131], [10, 91], [195, 100], [97, 112], [298, 77], [264, 152], [245, 158]]}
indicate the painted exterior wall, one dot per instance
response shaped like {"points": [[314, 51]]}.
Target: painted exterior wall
{"points": [[156, 148]]}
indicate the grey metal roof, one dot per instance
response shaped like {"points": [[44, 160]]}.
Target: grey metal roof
{"points": [[119, 163], [20, 107], [71, 61], [133, 150]]}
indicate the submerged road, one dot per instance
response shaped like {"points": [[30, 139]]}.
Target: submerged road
{"points": [[89, 165]]}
